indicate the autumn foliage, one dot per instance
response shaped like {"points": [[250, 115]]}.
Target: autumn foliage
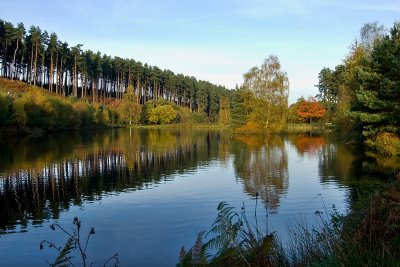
{"points": [[310, 109]]}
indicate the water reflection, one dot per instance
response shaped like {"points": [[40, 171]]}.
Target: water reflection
{"points": [[262, 163], [307, 144], [42, 177], [335, 160], [39, 184], [347, 165]]}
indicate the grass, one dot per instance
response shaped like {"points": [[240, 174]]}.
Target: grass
{"points": [[306, 128], [211, 126]]}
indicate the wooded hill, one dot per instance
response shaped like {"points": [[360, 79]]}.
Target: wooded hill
{"points": [[38, 58]]}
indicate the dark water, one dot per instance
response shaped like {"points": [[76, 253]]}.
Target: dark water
{"points": [[148, 192]]}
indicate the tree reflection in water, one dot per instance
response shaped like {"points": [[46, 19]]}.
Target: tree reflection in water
{"points": [[39, 184], [262, 163]]}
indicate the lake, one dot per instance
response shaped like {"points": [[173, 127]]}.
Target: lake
{"points": [[148, 192]]}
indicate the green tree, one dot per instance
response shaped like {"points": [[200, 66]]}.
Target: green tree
{"points": [[224, 112], [52, 54], [19, 33], [129, 110], [269, 89], [76, 54], [376, 107], [162, 114]]}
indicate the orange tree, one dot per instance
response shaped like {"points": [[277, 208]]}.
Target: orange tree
{"points": [[310, 109]]}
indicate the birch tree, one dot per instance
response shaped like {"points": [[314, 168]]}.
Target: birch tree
{"points": [[269, 87]]}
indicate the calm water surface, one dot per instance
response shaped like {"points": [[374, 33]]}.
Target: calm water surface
{"points": [[148, 192]]}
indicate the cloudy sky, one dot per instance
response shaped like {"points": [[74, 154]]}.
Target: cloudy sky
{"points": [[214, 40]]}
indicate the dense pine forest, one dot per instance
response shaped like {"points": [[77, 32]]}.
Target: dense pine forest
{"points": [[41, 59]]}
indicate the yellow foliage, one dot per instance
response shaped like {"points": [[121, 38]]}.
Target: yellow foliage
{"points": [[80, 106], [251, 127], [163, 114], [386, 144]]}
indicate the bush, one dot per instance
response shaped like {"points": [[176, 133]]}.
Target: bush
{"points": [[19, 111], [249, 128], [6, 113], [163, 114], [184, 115], [386, 143], [85, 114]]}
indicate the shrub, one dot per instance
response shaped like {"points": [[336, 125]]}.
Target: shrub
{"points": [[19, 111], [82, 108], [386, 143], [163, 114], [198, 117], [6, 113], [250, 127], [184, 115]]}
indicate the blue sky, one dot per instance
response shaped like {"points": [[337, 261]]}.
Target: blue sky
{"points": [[215, 40]]}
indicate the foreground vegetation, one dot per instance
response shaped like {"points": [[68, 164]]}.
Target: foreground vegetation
{"points": [[75, 248], [366, 237]]}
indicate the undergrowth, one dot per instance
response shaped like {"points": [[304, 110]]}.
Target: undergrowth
{"points": [[365, 237], [234, 242]]}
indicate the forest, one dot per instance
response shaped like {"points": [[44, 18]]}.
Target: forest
{"points": [[85, 88], [38, 58]]}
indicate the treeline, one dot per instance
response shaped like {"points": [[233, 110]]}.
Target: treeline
{"points": [[38, 58], [362, 95]]}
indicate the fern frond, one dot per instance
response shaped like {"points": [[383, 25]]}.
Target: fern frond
{"points": [[182, 254], [65, 252], [197, 248]]}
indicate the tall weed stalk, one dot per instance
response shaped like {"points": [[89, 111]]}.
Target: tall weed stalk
{"points": [[75, 245]]}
